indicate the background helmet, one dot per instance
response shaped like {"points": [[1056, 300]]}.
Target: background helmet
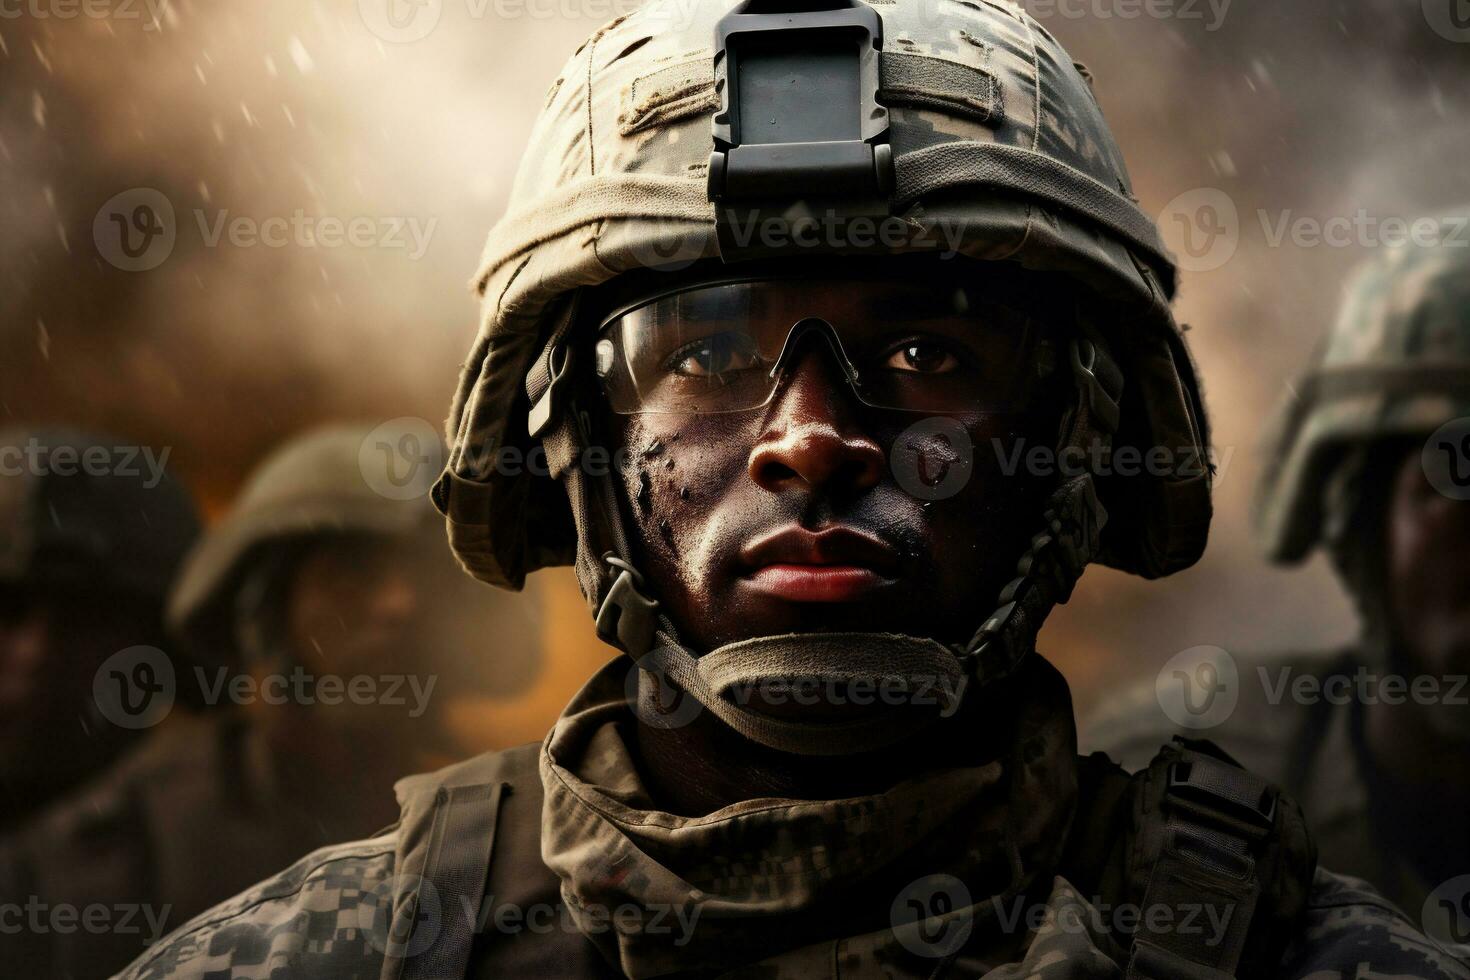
{"points": [[88, 511], [326, 482], [1395, 365]]}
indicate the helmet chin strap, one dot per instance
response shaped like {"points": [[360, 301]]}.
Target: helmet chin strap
{"points": [[915, 672]]}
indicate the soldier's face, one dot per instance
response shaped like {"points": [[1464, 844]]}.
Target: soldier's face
{"points": [[800, 515], [1428, 540], [383, 608], [52, 642]]}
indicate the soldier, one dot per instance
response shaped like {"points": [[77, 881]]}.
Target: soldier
{"points": [[785, 429], [1368, 463], [91, 531], [330, 631]]}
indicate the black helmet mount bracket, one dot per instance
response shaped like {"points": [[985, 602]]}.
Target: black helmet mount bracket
{"points": [[800, 135]]}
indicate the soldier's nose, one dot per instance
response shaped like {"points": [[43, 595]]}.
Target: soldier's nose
{"points": [[812, 437]]}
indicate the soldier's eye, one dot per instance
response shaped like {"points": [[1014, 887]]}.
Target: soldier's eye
{"points": [[715, 355], [922, 357]]}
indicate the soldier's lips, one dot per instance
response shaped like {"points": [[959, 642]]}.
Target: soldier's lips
{"points": [[836, 564], [817, 583]]}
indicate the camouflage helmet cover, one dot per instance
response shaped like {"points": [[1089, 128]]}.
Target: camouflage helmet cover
{"points": [[993, 129], [316, 485], [1396, 363], [121, 527]]}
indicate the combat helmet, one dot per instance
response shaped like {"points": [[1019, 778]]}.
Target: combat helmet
{"points": [[335, 480], [1394, 365], [83, 510], [963, 115]]}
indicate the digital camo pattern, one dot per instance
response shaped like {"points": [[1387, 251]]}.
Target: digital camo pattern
{"points": [[1395, 363], [196, 782], [802, 868], [1410, 305], [321, 919], [1352, 932], [327, 918], [307, 924]]}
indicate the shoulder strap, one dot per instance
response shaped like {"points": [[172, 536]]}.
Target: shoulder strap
{"points": [[446, 839], [1223, 862]]}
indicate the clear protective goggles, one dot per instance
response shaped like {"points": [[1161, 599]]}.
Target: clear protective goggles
{"points": [[927, 344]]}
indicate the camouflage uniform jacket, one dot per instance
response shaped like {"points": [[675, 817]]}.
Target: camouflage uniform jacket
{"points": [[181, 823], [1315, 752], [356, 911]]}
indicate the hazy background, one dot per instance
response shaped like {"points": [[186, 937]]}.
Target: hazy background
{"points": [[258, 108]]}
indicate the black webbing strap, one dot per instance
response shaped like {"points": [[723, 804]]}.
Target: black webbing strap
{"points": [[437, 908], [1045, 577], [550, 373], [1203, 889], [1073, 521]]}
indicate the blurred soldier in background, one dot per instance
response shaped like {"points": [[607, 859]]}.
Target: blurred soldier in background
{"points": [[91, 533], [1371, 462], [329, 631]]}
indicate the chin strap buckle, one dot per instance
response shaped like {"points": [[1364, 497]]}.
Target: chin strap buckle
{"points": [[627, 618]]}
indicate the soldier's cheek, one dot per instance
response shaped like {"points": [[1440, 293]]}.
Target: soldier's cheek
{"points": [[667, 483]]}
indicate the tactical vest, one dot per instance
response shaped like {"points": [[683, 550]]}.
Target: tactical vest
{"points": [[473, 898]]}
